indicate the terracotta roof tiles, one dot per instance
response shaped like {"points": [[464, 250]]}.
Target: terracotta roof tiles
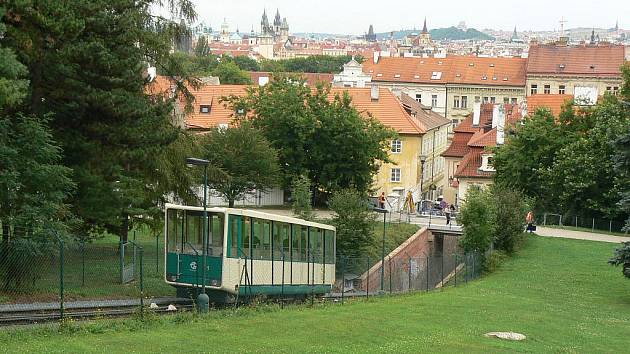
{"points": [[601, 60]]}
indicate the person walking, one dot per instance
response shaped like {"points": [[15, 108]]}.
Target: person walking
{"points": [[447, 212], [529, 219], [381, 201]]}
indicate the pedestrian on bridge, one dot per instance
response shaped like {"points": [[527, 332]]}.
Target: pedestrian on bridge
{"points": [[447, 212]]}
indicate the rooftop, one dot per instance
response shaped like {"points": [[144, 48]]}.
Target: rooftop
{"points": [[600, 60]]}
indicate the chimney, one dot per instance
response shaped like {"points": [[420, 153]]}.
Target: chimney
{"points": [[476, 113], [376, 56], [374, 92], [500, 121], [495, 115]]}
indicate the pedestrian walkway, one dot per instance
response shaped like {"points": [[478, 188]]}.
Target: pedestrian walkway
{"points": [[579, 235]]}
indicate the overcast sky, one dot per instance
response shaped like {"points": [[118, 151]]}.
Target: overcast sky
{"points": [[354, 16]]}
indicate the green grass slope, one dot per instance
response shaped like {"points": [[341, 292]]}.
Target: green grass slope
{"points": [[560, 293]]}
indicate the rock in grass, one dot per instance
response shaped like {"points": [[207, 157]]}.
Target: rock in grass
{"points": [[171, 308], [506, 335], [153, 306]]}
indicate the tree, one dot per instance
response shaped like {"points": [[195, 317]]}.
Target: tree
{"points": [[201, 48], [87, 62], [230, 73], [621, 147], [246, 161], [311, 64], [477, 217], [622, 258], [34, 187], [302, 198], [322, 137], [246, 63], [353, 221]]}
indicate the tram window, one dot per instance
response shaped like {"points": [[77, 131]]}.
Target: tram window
{"points": [[329, 249], [262, 239], [256, 239], [304, 244], [277, 240], [296, 255], [235, 229], [246, 237], [174, 221], [215, 242], [193, 234], [285, 232], [315, 239]]}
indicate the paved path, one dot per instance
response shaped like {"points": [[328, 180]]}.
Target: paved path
{"points": [[579, 235]]}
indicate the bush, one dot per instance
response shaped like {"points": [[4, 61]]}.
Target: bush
{"points": [[353, 221], [301, 197], [622, 258], [477, 219], [510, 209]]}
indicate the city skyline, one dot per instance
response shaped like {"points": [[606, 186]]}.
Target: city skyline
{"points": [[354, 17]]}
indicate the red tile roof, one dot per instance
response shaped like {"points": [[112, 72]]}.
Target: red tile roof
{"points": [[469, 167], [424, 115], [553, 102], [471, 70], [464, 70], [387, 109], [601, 60], [459, 145]]}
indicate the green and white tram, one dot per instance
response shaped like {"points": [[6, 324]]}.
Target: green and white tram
{"points": [[249, 253]]}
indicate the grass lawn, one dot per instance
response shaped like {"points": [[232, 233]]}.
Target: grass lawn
{"points": [[560, 293]]}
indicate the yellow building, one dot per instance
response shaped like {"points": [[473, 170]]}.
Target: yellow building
{"points": [[422, 136]]}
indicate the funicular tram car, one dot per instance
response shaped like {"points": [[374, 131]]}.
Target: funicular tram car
{"points": [[249, 253]]}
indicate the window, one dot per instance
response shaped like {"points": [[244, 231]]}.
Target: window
{"points": [[419, 97], [486, 99], [534, 89], [204, 108], [506, 100], [514, 100], [561, 89], [456, 102], [608, 89], [493, 100], [329, 247], [433, 100], [436, 75], [262, 239], [280, 240], [616, 90], [547, 89], [395, 175], [464, 102], [396, 146], [315, 240], [477, 99]]}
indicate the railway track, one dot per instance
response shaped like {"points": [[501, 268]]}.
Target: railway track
{"points": [[24, 315]]}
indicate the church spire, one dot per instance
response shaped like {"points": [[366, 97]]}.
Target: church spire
{"points": [[424, 28], [593, 36]]}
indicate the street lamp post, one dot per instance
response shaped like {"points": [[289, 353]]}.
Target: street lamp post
{"points": [[423, 159], [203, 301], [384, 212]]}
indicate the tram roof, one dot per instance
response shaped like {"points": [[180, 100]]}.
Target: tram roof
{"points": [[252, 213]]}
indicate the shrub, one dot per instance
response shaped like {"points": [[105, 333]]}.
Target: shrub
{"points": [[494, 261], [477, 219], [353, 221], [622, 258], [510, 209]]}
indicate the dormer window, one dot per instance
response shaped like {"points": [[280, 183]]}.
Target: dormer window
{"points": [[204, 108], [487, 161], [436, 75]]}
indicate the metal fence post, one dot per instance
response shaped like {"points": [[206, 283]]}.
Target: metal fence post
{"points": [[61, 278], [157, 253], [427, 273], [390, 275], [282, 286], [313, 280], [466, 257], [576, 221], [121, 253], [610, 226], [545, 219], [141, 284], [593, 227], [409, 276], [82, 262], [455, 256], [560, 220], [473, 264], [367, 278], [343, 279]]}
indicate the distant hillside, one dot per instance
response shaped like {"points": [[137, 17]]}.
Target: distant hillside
{"points": [[451, 33], [454, 33]]}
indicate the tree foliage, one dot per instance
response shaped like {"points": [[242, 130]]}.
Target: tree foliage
{"points": [[230, 74], [477, 215], [353, 220], [245, 159], [302, 198], [567, 163], [316, 135], [201, 47], [86, 64], [622, 258], [310, 64], [510, 209]]}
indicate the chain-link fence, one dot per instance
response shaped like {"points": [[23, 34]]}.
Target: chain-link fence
{"points": [[582, 223]]}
